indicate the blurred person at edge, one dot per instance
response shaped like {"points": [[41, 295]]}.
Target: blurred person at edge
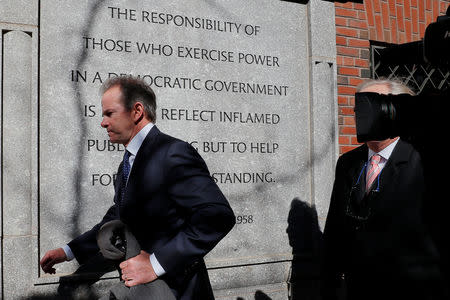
{"points": [[376, 239]]}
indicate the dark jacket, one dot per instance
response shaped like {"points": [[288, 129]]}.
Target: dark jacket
{"points": [[174, 209], [381, 241]]}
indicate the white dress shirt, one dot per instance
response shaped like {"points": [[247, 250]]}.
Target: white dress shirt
{"points": [[385, 154]]}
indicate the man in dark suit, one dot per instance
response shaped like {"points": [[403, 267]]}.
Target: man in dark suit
{"points": [[377, 241], [163, 193]]}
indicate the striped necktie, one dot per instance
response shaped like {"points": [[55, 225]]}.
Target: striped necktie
{"points": [[373, 172]]}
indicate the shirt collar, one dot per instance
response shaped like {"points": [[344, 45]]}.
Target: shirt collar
{"points": [[386, 152], [138, 139]]}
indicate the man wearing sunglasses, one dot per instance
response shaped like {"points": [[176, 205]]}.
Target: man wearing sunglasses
{"points": [[377, 244]]}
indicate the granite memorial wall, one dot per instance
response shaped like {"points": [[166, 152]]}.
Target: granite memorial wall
{"points": [[250, 84]]}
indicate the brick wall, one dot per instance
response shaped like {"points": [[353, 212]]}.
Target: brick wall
{"points": [[390, 21]]}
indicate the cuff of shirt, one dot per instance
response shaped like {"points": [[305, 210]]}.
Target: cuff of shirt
{"points": [[159, 270], [69, 253]]}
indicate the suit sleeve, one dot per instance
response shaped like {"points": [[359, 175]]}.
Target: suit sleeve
{"points": [[209, 216], [333, 239], [85, 245]]}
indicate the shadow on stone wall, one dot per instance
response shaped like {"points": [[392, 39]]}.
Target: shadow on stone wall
{"points": [[259, 295], [82, 294], [305, 239], [78, 174], [80, 284]]}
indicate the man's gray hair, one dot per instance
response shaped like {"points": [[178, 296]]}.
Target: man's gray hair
{"points": [[396, 87]]}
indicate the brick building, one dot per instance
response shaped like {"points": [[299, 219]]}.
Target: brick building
{"points": [[364, 28]]}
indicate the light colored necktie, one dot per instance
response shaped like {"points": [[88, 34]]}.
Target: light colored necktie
{"points": [[373, 172]]}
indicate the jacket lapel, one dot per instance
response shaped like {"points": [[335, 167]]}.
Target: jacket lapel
{"points": [[389, 177], [144, 150], [389, 174], [139, 161], [359, 172]]}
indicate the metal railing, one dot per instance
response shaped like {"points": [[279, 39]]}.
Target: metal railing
{"points": [[421, 77]]}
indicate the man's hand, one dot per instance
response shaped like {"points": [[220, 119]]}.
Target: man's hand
{"points": [[51, 258], [137, 270]]}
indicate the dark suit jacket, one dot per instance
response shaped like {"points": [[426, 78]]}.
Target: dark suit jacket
{"points": [[389, 245], [174, 209]]}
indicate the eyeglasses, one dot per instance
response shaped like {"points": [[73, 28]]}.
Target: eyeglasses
{"points": [[359, 210]]}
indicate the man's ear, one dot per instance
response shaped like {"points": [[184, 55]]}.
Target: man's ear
{"points": [[138, 112]]}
